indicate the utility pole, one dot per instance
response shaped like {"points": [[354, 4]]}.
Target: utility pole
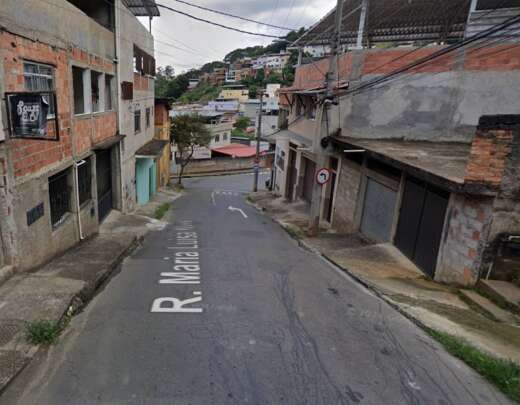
{"points": [[258, 137], [322, 129]]}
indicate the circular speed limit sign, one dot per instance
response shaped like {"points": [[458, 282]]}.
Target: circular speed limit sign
{"points": [[323, 176]]}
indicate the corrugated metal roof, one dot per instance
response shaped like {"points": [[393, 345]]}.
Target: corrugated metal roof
{"points": [[394, 20], [142, 8], [236, 150]]}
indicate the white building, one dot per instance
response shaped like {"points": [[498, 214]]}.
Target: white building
{"points": [[274, 61]]}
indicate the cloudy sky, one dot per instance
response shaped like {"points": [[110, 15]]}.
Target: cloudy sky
{"points": [[185, 43]]}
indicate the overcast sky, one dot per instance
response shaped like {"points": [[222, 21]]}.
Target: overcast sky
{"points": [[204, 43]]}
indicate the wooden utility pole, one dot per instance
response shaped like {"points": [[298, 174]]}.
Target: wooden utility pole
{"points": [[258, 138], [321, 129]]}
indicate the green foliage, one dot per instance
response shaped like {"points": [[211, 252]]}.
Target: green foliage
{"points": [[242, 123], [42, 332], [504, 374], [161, 210], [274, 47], [202, 93], [188, 132]]}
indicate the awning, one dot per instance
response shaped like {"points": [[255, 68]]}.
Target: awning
{"points": [[108, 143], [236, 150], [152, 149], [142, 8]]}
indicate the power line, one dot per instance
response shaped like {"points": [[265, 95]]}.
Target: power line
{"points": [[232, 15], [217, 24], [436, 55]]}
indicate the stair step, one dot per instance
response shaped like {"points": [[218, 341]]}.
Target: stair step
{"points": [[502, 291], [500, 314]]}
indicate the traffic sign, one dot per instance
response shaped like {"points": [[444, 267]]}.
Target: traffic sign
{"points": [[323, 176]]}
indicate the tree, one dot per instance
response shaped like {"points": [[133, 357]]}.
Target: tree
{"points": [[188, 132]]}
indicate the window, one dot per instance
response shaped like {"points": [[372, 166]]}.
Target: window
{"points": [[137, 121], [79, 80], [59, 196], [95, 78], [225, 137], [109, 92], [217, 138], [39, 77], [148, 113], [84, 182]]}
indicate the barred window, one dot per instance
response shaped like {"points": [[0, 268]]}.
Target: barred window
{"points": [[148, 113], [84, 182], [59, 195], [40, 77], [137, 121]]}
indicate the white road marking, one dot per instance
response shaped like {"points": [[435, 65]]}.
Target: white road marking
{"points": [[237, 209], [213, 198]]}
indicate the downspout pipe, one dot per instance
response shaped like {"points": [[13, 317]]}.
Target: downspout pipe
{"points": [[77, 165]]}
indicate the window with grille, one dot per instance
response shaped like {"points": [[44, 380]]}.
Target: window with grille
{"points": [[95, 91], [217, 138], [84, 182], [137, 121], [59, 195], [39, 77], [109, 92]]}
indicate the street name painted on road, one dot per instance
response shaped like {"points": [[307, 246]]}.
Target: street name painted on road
{"points": [[186, 271]]}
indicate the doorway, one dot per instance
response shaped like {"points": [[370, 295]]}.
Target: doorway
{"points": [[104, 183], [291, 175], [421, 222]]}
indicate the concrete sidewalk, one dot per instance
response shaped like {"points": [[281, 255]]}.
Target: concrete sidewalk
{"points": [[63, 286], [386, 271]]}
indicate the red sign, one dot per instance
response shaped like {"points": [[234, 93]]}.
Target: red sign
{"points": [[323, 176]]}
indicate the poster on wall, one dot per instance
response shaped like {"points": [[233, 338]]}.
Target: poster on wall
{"points": [[29, 116]]}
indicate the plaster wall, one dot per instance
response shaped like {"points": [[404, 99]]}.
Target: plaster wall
{"points": [[57, 23]]}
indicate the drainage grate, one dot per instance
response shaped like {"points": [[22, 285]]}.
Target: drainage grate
{"points": [[8, 330]]}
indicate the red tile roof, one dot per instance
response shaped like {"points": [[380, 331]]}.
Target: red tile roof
{"points": [[236, 150]]}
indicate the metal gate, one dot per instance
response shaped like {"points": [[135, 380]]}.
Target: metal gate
{"points": [[104, 182], [421, 222], [308, 179], [378, 211]]}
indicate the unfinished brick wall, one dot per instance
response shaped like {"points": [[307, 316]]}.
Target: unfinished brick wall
{"points": [[349, 182], [489, 150], [464, 242], [33, 156]]}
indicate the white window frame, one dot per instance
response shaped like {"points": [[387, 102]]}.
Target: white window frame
{"points": [[41, 75]]}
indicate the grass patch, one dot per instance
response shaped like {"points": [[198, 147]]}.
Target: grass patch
{"points": [[503, 374], [42, 332], [162, 210]]}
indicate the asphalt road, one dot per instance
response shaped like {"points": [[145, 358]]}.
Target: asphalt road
{"points": [[268, 324]]}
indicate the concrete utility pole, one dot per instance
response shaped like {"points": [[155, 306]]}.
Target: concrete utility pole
{"points": [[258, 137], [320, 131]]}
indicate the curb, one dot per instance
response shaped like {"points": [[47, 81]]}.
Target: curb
{"points": [[79, 301], [361, 281], [214, 174]]}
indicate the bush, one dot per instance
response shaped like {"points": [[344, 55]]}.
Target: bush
{"points": [[42, 332]]}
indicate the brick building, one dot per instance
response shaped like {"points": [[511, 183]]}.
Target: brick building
{"points": [[425, 161], [60, 138]]}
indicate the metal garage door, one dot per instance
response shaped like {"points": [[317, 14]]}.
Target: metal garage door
{"points": [[421, 222], [378, 211], [308, 180]]}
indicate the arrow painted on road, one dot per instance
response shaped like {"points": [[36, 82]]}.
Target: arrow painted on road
{"points": [[237, 209]]}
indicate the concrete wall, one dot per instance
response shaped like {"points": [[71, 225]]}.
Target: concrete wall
{"points": [[345, 203], [58, 23], [464, 239], [442, 100], [222, 165], [131, 32]]}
